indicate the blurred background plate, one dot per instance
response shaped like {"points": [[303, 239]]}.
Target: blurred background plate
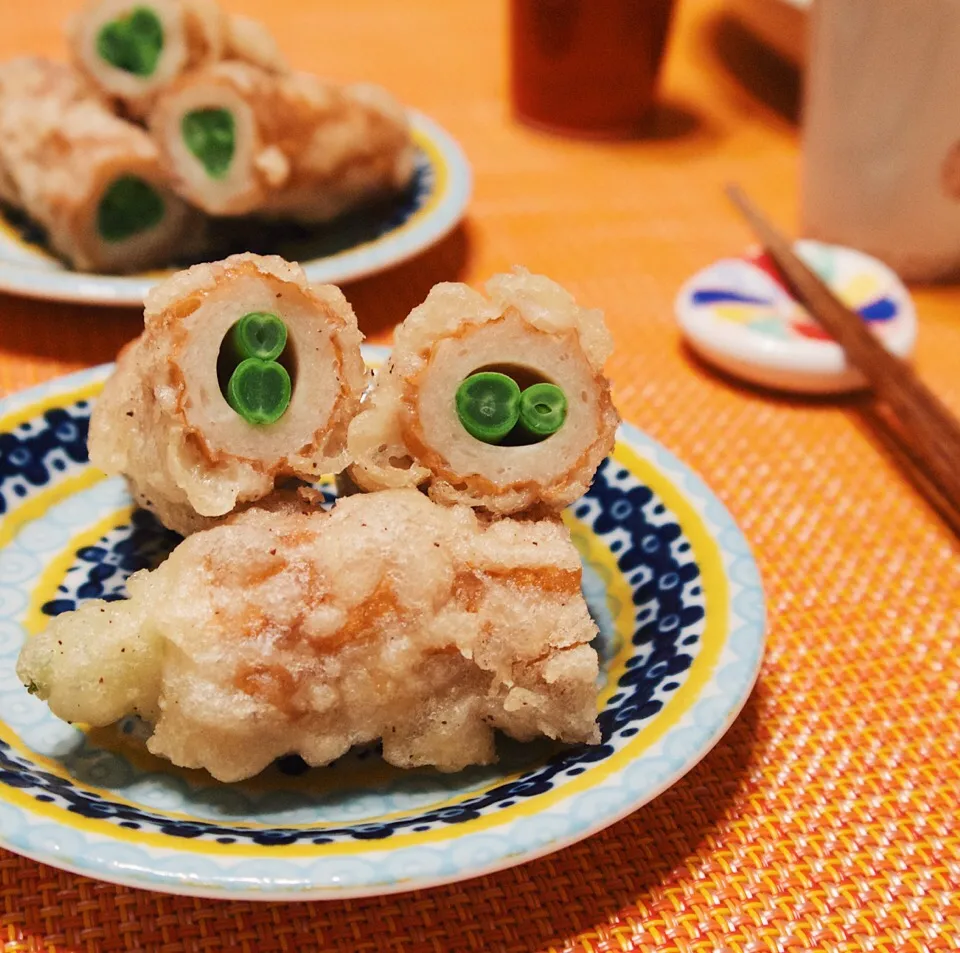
{"points": [[355, 245], [781, 24]]}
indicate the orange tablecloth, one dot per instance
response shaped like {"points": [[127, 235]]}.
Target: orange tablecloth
{"points": [[826, 819]]}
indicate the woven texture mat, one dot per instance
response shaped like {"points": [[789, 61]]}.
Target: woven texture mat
{"points": [[826, 818]]}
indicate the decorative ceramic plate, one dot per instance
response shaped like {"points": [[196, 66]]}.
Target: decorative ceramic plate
{"points": [[351, 247], [781, 24], [667, 575], [738, 315]]}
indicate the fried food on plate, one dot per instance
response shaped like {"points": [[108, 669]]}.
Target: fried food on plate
{"points": [[390, 618], [239, 140], [245, 375], [92, 180], [498, 402]]}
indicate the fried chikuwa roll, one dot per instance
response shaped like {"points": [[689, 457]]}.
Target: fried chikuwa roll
{"points": [[34, 77], [240, 140], [389, 618], [133, 49], [93, 181], [498, 402], [244, 375]]}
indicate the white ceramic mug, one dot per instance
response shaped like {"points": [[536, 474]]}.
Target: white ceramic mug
{"points": [[881, 153]]}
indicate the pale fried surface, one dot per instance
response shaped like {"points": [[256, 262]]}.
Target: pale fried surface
{"points": [[305, 149], [392, 617], [60, 148], [250, 41], [163, 422], [32, 77], [408, 433]]}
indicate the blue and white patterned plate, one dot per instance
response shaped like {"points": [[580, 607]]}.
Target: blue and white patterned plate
{"points": [[351, 247], [668, 577]]}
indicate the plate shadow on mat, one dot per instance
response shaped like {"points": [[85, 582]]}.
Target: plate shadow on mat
{"points": [[754, 67], [770, 395], [383, 300], [526, 908], [54, 331], [599, 878]]}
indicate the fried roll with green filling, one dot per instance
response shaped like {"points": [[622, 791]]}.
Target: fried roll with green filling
{"points": [[498, 402], [245, 375], [240, 140], [133, 49], [389, 618], [33, 77], [92, 180]]}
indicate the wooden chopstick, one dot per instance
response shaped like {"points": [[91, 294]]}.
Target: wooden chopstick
{"points": [[889, 436], [933, 432]]}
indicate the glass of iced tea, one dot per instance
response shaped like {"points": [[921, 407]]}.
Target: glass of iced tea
{"points": [[586, 67]]}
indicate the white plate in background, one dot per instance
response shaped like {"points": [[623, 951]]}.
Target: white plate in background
{"points": [[356, 245]]}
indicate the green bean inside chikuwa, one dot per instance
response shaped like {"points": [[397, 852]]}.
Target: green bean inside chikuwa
{"points": [[132, 42], [498, 400], [210, 135], [134, 49], [268, 372], [242, 140], [491, 407], [90, 179], [259, 388]]}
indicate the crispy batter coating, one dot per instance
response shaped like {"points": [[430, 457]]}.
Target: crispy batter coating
{"points": [[391, 617], [305, 149], [163, 422], [408, 433], [61, 149], [33, 77], [250, 41]]}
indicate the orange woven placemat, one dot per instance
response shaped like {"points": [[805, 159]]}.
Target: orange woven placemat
{"points": [[825, 820]]}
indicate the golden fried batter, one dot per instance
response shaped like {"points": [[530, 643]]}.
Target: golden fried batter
{"points": [[303, 149], [163, 422], [408, 433], [391, 617]]}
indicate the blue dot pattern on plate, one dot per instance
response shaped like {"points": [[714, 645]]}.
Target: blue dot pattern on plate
{"points": [[101, 571], [35, 451], [651, 553]]}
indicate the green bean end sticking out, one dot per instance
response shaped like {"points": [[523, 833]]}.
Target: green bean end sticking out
{"points": [[132, 43], [488, 405], [129, 206], [259, 389], [210, 135], [543, 409]]}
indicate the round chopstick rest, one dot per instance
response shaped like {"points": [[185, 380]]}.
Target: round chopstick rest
{"points": [[737, 315]]}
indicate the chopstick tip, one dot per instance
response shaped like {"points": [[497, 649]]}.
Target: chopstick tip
{"points": [[736, 195]]}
